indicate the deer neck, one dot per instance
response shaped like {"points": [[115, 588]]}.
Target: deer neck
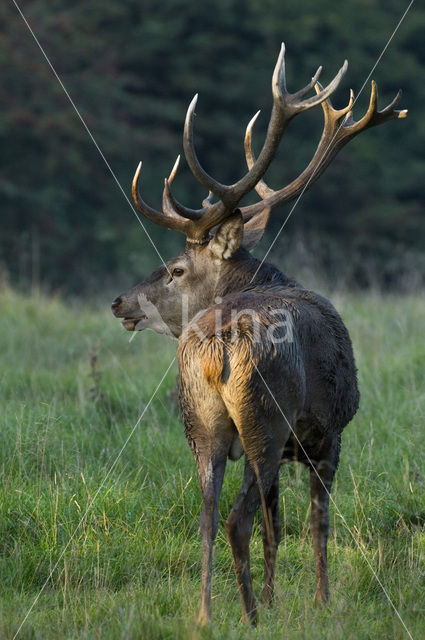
{"points": [[243, 272]]}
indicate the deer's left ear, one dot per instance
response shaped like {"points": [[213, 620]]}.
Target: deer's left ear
{"points": [[228, 237], [253, 230]]}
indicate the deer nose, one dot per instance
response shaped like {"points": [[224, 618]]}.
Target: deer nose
{"points": [[116, 304]]}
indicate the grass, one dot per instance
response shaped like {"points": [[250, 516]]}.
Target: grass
{"points": [[73, 387]]}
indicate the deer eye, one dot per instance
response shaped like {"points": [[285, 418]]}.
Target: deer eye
{"points": [[178, 272]]}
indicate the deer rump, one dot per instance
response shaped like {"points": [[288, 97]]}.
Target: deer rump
{"points": [[298, 370]]}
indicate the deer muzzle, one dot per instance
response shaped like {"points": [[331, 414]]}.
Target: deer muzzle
{"points": [[129, 323]]}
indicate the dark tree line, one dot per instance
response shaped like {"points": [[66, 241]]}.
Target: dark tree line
{"points": [[132, 68]]}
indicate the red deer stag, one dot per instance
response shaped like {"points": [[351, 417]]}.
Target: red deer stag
{"points": [[266, 366]]}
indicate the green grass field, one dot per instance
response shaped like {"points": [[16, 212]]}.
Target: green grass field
{"points": [[130, 567]]}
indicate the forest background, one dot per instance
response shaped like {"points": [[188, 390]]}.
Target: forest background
{"points": [[132, 68]]}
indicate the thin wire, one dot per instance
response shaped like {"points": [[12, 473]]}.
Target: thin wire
{"points": [[94, 498], [83, 122], [326, 150], [333, 502]]}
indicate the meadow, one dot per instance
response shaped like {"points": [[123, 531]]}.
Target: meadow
{"points": [[99, 507]]}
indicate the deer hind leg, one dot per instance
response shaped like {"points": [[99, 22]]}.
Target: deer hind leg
{"points": [[321, 477], [211, 472], [271, 532], [239, 526]]}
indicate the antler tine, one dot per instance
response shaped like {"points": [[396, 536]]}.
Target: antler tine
{"points": [[189, 150], [324, 94], [402, 113], [310, 85], [174, 170], [261, 188], [167, 208], [330, 114], [279, 79], [170, 222], [172, 207], [373, 117]]}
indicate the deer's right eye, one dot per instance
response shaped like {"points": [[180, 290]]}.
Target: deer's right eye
{"points": [[178, 272]]}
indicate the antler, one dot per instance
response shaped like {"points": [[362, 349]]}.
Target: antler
{"points": [[339, 128], [196, 223]]}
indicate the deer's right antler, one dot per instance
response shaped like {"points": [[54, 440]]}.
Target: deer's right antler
{"points": [[196, 223]]}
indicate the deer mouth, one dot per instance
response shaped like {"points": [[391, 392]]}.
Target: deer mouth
{"points": [[131, 324]]}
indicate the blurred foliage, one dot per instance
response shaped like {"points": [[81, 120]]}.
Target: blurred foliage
{"points": [[132, 67]]}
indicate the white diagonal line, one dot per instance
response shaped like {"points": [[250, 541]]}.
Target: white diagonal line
{"points": [[334, 504], [83, 122], [330, 143], [94, 497]]}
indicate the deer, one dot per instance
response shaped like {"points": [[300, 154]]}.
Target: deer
{"points": [[266, 366]]}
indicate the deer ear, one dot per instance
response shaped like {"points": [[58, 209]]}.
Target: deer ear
{"points": [[228, 237], [253, 230]]}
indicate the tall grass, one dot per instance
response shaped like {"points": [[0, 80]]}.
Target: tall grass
{"points": [[72, 388]]}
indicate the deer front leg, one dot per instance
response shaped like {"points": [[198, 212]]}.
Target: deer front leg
{"points": [[321, 476], [211, 472], [271, 532]]}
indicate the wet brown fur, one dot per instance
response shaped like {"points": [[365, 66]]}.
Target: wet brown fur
{"points": [[244, 392], [282, 402]]}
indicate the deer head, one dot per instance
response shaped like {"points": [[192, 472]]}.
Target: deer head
{"points": [[216, 259]]}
